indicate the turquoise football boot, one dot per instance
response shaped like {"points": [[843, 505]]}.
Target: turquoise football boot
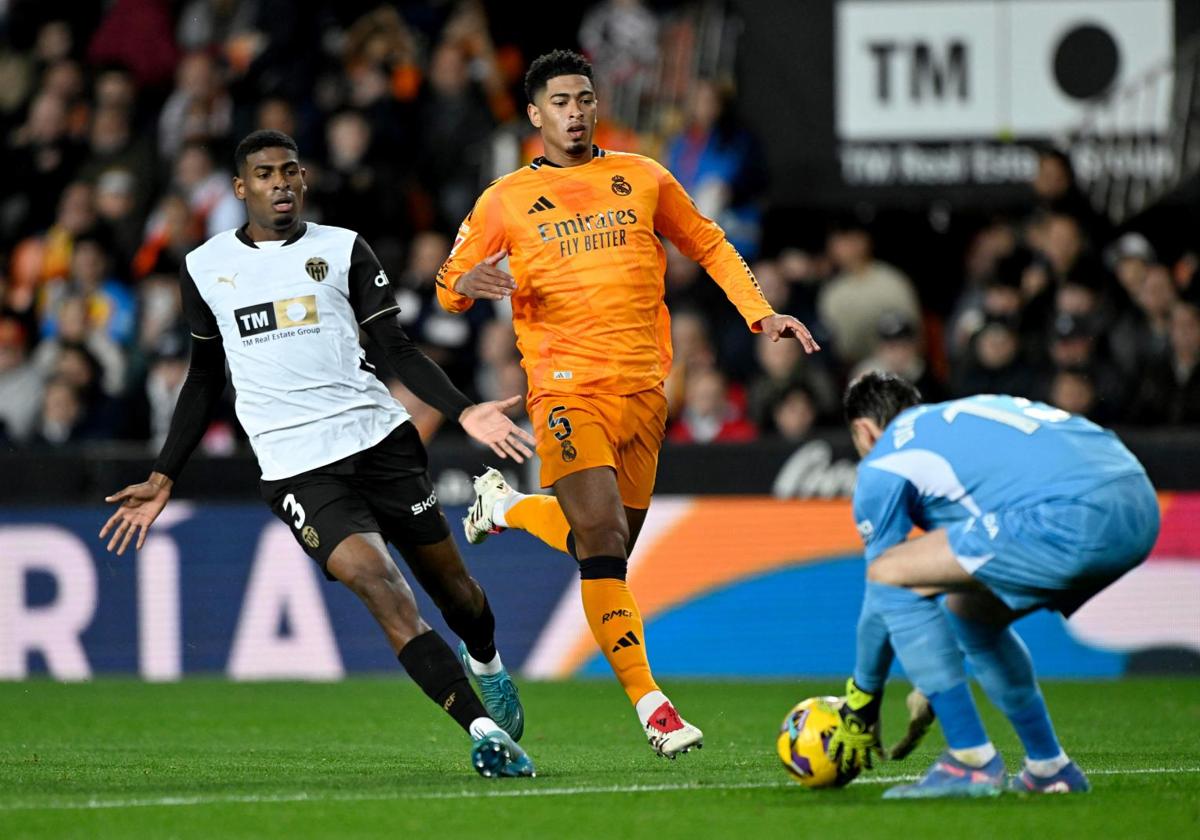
{"points": [[499, 695], [496, 755]]}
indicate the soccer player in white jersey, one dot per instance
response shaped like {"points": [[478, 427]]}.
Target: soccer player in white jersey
{"points": [[283, 302]]}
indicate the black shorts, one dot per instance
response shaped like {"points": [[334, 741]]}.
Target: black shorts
{"points": [[385, 489]]}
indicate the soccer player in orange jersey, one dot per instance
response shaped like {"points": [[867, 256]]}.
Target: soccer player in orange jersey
{"points": [[580, 229]]}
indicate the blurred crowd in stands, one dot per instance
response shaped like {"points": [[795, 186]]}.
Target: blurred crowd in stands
{"points": [[118, 126]]}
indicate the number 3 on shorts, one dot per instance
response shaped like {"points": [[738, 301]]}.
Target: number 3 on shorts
{"points": [[295, 509]]}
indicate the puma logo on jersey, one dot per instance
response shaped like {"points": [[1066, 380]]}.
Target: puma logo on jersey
{"points": [[228, 280]]}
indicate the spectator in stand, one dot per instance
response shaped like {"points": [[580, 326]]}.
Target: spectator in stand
{"points": [[355, 188], [73, 326], [686, 286], [38, 260], [1170, 391], [198, 109], [114, 87], [1129, 259], [785, 368], [450, 340], [60, 417], [168, 240], [995, 365], [1056, 189], [794, 415], [1140, 339], [1074, 347], [456, 127], [692, 347], [111, 306], [208, 189], [112, 144], [863, 289], [159, 310], [100, 416], [899, 351], [20, 384], [999, 296], [1072, 390], [805, 273], [1183, 403], [497, 350], [42, 159], [120, 216], [719, 163], [709, 415]]}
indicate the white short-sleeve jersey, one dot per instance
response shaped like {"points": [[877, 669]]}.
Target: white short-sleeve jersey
{"points": [[288, 316]]}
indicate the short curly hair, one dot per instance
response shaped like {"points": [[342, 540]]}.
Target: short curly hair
{"points": [[256, 141], [552, 64]]}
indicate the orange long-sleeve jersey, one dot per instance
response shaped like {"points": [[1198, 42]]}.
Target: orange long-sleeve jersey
{"points": [[588, 309]]}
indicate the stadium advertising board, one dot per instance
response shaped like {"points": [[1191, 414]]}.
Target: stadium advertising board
{"points": [[935, 92], [772, 590]]}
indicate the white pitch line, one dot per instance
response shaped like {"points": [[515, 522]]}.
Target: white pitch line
{"points": [[234, 799]]}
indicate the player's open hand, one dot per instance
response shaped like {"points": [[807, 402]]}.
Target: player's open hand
{"points": [[487, 423], [785, 326], [140, 506], [487, 282]]}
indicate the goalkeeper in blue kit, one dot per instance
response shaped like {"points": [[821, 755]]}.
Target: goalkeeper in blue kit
{"points": [[1025, 507]]}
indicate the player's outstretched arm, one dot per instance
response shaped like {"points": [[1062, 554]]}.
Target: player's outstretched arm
{"points": [[142, 503], [785, 326], [488, 424], [485, 281], [140, 506]]}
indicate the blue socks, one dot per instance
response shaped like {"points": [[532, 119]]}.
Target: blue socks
{"points": [[1005, 670], [926, 646]]}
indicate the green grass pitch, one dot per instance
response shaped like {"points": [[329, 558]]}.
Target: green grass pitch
{"points": [[372, 757]]}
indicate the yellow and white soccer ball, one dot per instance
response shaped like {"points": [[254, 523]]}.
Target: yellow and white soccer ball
{"points": [[803, 743]]}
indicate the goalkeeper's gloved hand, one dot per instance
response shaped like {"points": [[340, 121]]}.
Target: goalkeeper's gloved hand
{"points": [[856, 737], [920, 718]]}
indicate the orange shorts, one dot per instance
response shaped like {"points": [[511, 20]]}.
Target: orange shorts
{"points": [[576, 432]]}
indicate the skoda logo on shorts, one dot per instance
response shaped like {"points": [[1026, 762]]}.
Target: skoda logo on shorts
{"points": [[620, 186], [568, 451], [310, 537], [317, 268]]}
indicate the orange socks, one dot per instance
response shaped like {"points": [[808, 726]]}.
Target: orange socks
{"points": [[613, 616], [541, 516]]}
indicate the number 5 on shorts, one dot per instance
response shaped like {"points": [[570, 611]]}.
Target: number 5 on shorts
{"points": [[554, 421]]}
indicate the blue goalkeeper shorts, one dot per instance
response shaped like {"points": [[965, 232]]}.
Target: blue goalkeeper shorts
{"points": [[1059, 553]]}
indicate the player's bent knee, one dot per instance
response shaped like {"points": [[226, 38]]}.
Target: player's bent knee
{"points": [[610, 541]]}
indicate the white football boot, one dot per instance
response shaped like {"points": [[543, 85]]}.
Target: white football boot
{"points": [[489, 489], [669, 734]]}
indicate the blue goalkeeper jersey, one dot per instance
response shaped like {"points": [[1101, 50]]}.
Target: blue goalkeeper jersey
{"points": [[947, 462]]}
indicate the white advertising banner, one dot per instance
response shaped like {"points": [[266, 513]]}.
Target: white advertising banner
{"points": [[933, 70]]}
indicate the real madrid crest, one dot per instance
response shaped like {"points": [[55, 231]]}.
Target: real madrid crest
{"points": [[620, 186], [317, 268]]}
